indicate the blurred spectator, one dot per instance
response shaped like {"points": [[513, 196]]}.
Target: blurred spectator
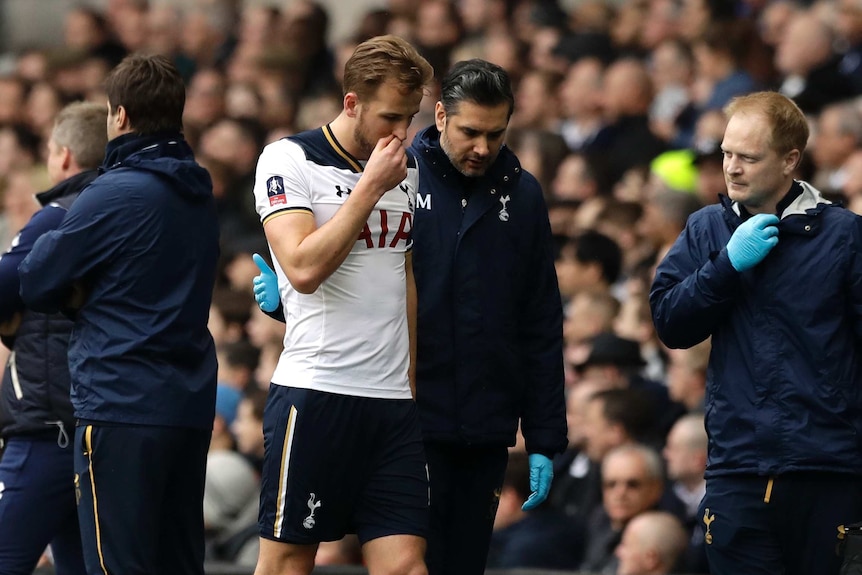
{"points": [[685, 455], [774, 18], [542, 538], [205, 100], [664, 217], [227, 401], [589, 313], [19, 148], [686, 375], [86, 31], [43, 103], [576, 490], [539, 151], [267, 334], [247, 427], [698, 15], [837, 135], [719, 53], [589, 261], [672, 73], [19, 199], [237, 365], [617, 362], [632, 482], [228, 315], [164, 26], [536, 103], [810, 66], [652, 544], [848, 26], [615, 417], [580, 102], [852, 187], [618, 220], [305, 28], [231, 500], [575, 179], [626, 140], [236, 143]]}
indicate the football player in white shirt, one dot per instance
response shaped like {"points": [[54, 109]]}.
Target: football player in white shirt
{"points": [[344, 452]]}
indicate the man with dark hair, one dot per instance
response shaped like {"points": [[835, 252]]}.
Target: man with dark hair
{"points": [[37, 498], [490, 317], [589, 261], [134, 262]]}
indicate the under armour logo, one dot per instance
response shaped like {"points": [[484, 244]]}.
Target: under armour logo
{"points": [[308, 522], [341, 193]]}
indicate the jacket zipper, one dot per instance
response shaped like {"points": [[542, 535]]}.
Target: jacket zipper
{"points": [[16, 385]]}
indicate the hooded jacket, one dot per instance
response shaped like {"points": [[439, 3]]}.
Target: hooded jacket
{"points": [[142, 244], [34, 395], [784, 382], [490, 315]]}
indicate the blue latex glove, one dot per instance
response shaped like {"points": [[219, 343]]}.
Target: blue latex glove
{"points": [[265, 286], [541, 474], [752, 240]]}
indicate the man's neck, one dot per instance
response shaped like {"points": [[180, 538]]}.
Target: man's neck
{"points": [[342, 128]]}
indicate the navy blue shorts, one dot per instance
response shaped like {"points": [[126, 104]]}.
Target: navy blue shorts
{"points": [[338, 464]]}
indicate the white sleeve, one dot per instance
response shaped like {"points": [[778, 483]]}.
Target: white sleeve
{"points": [[281, 181]]}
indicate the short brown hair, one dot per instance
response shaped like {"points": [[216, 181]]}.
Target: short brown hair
{"points": [[152, 92], [385, 58], [789, 126], [80, 126]]}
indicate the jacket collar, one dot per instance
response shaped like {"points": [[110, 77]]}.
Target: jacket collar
{"points": [[71, 185], [122, 147], [805, 200], [800, 215]]}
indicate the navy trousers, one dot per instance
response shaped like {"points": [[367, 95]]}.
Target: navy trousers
{"points": [[140, 493], [465, 491], [783, 525], [37, 507]]}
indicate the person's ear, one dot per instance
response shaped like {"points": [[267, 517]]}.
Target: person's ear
{"points": [[791, 161], [652, 560], [67, 158], [439, 116], [351, 104]]}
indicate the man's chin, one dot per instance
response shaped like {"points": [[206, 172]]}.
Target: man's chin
{"points": [[472, 170]]}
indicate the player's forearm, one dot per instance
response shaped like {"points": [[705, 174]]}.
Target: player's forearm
{"points": [[308, 264]]}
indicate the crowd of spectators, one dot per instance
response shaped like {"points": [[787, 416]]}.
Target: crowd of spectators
{"points": [[618, 115]]}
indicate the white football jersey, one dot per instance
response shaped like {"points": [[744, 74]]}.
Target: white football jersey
{"points": [[349, 336]]}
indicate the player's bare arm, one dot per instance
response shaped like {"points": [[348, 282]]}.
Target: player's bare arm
{"points": [[309, 255]]}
